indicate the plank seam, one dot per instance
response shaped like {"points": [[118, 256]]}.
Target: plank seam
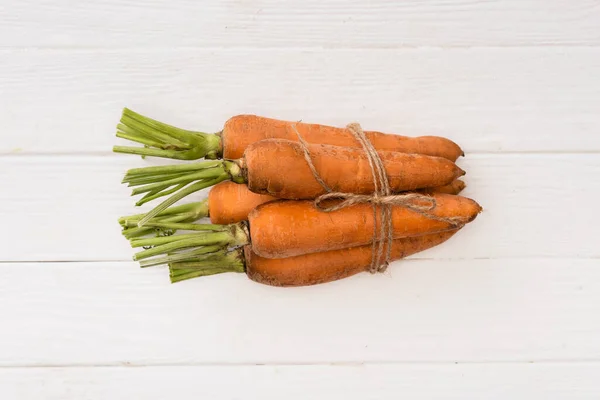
{"points": [[310, 364]]}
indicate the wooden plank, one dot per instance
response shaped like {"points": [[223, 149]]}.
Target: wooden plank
{"points": [[496, 381], [65, 208], [271, 23], [113, 314], [488, 100]]}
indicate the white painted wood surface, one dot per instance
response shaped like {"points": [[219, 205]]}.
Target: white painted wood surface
{"points": [[509, 308], [103, 313], [488, 100], [274, 23], [421, 381]]}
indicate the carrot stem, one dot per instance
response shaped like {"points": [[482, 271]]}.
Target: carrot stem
{"points": [[222, 235], [156, 193], [189, 274], [164, 221], [192, 188], [201, 252], [200, 208], [232, 261], [206, 174], [170, 169], [185, 179], [164, 140]]}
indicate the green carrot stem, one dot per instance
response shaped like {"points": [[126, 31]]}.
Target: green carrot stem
{"points": [[183, 227], [143, 180], [186, 178], [232, 261], [200, 208], [218, 238], [132, 230], [169, 169], [199, 253], [232, 235], [161, 240], [194, 187], [165, 140], [155, 194], [175, 277], [133, 126], [143, 151], [137, 139], [185, 213]]}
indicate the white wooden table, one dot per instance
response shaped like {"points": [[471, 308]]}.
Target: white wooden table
{"points": [[510, 308]]}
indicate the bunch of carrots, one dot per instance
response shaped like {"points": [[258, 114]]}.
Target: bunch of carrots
{"points": [[264, 220]]}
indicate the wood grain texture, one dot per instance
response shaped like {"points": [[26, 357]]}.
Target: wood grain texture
{"points": [[488, 100], [65, 208], [508, 309], [272, 23], [420, 382], [111, 314]]}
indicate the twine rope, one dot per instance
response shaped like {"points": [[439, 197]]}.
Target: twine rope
{"points": [[381, 198]]}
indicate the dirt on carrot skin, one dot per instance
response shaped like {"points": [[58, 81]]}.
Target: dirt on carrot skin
{"points": [[279, 168], [316, 230], [315, 268], [455, 187], [241, 131], [231, 202]]}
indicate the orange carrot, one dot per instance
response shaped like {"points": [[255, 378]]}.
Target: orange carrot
{"points": [[288, 228], [230, 202], [455, 187], [227, 203], [308, 269], [240, 131], [281, 229], [279, 168]]}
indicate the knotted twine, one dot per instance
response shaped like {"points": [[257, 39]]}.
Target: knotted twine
{"points": [[382, 196]]}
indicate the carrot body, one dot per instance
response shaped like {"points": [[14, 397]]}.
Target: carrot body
{"points": [[230, 202], [455, 187], [310, 269], [279, 168], [241, 131], [282, 229]]}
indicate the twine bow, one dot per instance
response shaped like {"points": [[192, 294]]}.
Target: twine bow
{"points": [[381, 198]]}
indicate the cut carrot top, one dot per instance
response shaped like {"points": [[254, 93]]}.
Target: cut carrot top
{"points": [[162, 140]]}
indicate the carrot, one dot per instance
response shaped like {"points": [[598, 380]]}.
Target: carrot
{"points": [[240, 131], [455, 187], [279, 168], [282, 229], [243, 130], [308, 269], [227, 203], [285, 229], [231, 202]]}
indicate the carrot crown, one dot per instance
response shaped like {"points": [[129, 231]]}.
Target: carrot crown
{"points": [[162, 140]]}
